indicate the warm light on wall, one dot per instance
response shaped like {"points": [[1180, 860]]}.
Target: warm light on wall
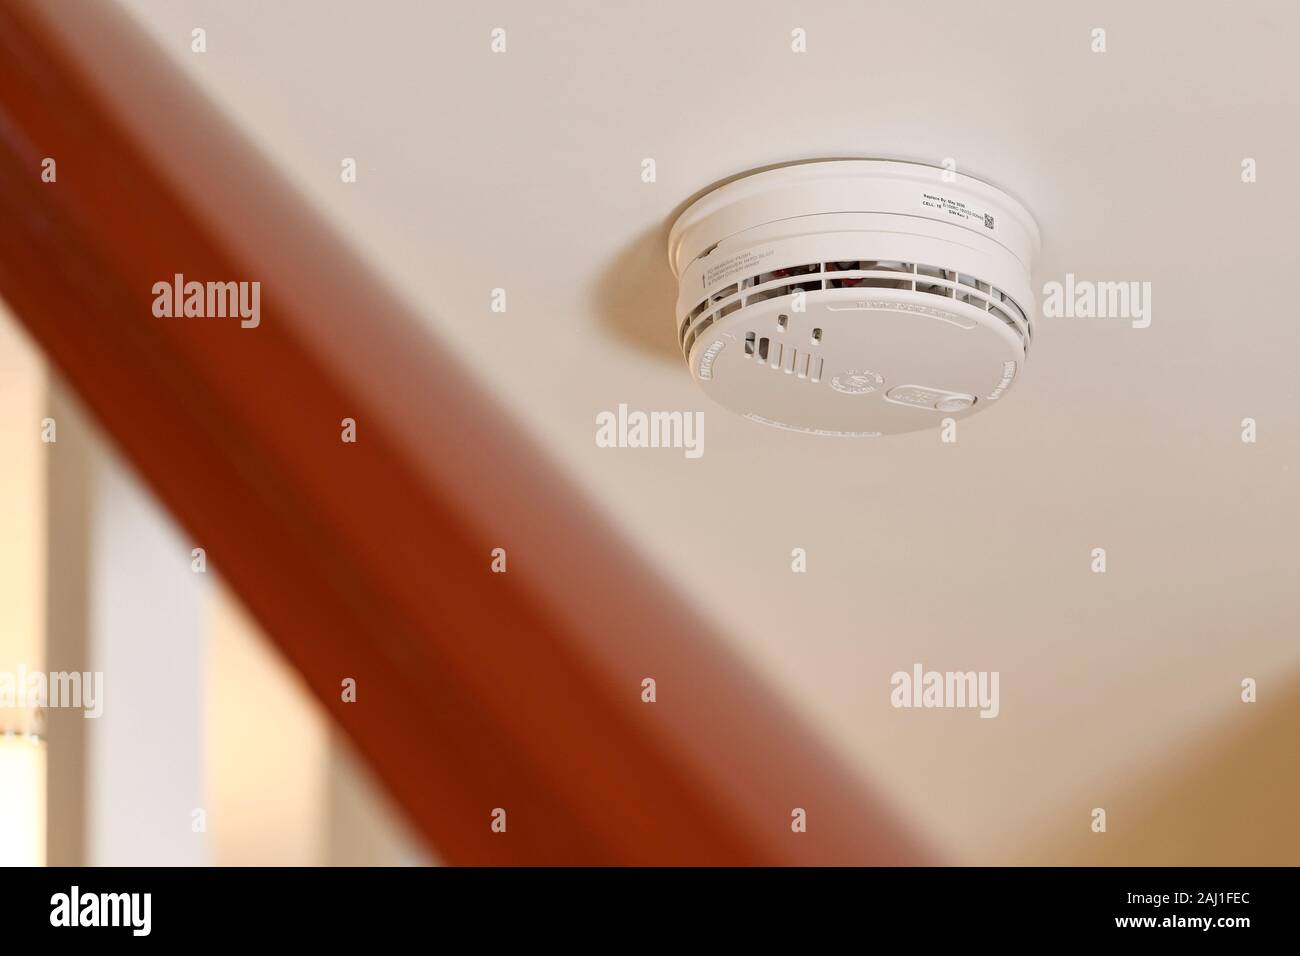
{"points": [[22, 800], [22, 591]]}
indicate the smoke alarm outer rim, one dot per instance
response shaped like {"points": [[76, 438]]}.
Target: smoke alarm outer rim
{"points": [[852, 186]]}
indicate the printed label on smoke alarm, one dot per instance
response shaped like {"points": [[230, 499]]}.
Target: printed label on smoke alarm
{"points": [[705, 368], [957, 209], [1008, 373], [857, 382], [725, 269], [753, 417]]}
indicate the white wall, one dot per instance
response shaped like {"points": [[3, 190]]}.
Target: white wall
{"points": [[148, 632]]}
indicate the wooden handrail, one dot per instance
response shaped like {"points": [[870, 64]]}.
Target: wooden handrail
{"points": [[370, 560]]}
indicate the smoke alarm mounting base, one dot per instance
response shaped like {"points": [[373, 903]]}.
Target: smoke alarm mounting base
{"points": [[854, 297]]}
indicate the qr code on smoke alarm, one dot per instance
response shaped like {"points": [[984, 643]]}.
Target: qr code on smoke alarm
{"points": [[988, 221]]}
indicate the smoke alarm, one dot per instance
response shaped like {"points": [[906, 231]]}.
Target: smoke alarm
{"points": [[854, 297]]}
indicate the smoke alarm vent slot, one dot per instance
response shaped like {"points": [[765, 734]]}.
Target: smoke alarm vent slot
{"points": [[767, 294], [873, 274], [788, 273]]}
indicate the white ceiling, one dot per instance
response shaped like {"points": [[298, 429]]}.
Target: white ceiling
{"points": [[522, 171]]}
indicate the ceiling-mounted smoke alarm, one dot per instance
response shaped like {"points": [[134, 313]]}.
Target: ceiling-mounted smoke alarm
{"points": [[854, 297]]}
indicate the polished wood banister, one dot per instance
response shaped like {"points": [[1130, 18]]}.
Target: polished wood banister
{"points": [[371, 560]]}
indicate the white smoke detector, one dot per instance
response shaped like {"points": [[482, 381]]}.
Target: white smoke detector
{"points": [[854, 297]]}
